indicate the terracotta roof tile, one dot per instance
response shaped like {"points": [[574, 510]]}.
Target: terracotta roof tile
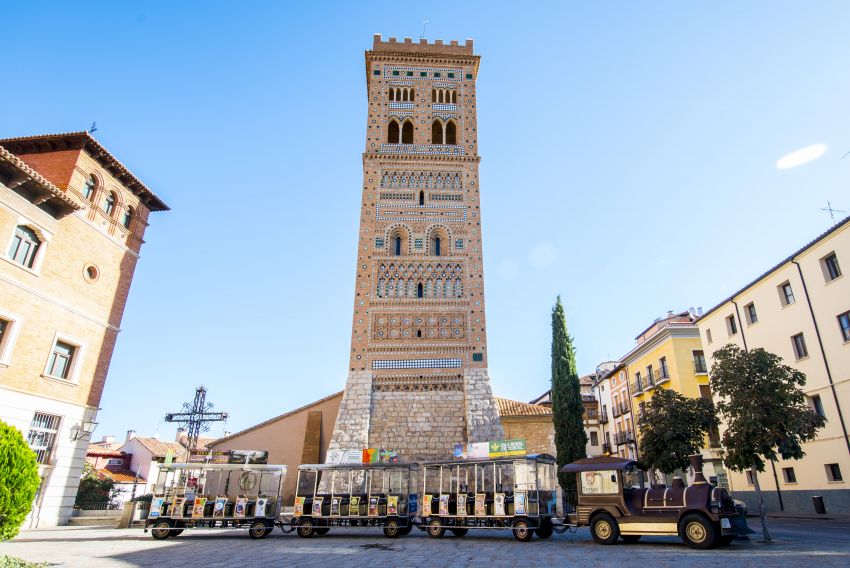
{"points": [[515, 408], [159, 448], [119, 475]]}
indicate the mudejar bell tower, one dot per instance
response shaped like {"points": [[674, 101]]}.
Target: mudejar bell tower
{"points": [[418, 378]]}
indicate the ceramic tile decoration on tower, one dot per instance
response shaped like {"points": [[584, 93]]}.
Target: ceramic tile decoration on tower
{"points": [[418, 380]]}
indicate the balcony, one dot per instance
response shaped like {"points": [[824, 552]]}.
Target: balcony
{"points": [[615, 410], [663, 376], [603, 418], [624, 408], [622, 438], [606, 448]]}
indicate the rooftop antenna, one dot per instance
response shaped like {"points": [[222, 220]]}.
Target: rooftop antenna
{"points": [[424, 29], [93, 128], [832, 211]]}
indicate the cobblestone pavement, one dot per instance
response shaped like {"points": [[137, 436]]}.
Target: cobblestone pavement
{"points": [[798, 542]]}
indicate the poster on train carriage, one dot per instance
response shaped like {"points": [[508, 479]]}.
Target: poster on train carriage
{"points": [[335, 503], [354, 507], [520, 503], [260, 509], [426, 504], [499, 504], [218, 508], [392, 505], [444, 505], [373, 506], [179, 505], [461, 504], [299, 507], [317, 506], [480, 505], [504, 448], [239, 509], [198, 508], [156, 507]]}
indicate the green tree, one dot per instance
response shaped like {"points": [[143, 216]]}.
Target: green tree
{"points": [[18, 480], [764, 410], [567, 406], [673, 427], [93, 488]]}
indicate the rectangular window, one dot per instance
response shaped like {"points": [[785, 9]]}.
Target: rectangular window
{"points": [[376, 72], [663, 372], [8, 331], [708, 338], [115, 461], [469, 75], [731, 325], [61, 360], [789, 475], [750, 312], [844, 324], [699, 362], [650, 377], [410, 73], [594, 439], [423, 74], [831, 270], [816, 404], [379, 242], [599, 482], [437, 74], [638, 382], [395, 73], [833, 472], [786, 294], [459, 244], [42, 435], [750, 478], [451, 75], [478, 357], [800, 350]]}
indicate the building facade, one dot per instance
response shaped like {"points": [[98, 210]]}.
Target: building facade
{"points": [[799, 310], [72, 222], [418, 380]]}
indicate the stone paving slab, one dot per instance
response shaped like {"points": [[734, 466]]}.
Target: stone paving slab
{"points": [[98, 547]]}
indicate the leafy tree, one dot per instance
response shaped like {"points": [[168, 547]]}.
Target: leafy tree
{"points": [[764, 410], [567, 406], [19, 480], [673, 427], [93, 488]]}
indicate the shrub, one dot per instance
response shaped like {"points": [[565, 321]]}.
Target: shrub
{"points": [[19, 480]]}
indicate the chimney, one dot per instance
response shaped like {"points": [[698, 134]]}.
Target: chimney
{"points": [[699, 311], [181, 433], [669, 313], [696, 464], [130, 435]]}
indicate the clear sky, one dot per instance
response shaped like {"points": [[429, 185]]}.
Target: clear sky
{"points": [[629, 164]]}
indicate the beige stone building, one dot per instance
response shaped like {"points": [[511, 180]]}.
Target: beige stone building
{"points": [[800, 310], [72, 223], [418, 380]]}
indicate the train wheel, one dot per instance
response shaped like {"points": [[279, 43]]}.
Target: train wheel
{"points": [[306, 529], [322, 531], [161, 530], [435, 528], [697, 532], [178, 532], [523, 532], [459, 532], [545, 529], [391, 529], [604, 529], [403, 531], [258, 530], [630, 538]]}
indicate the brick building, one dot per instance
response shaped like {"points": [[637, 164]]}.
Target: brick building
{"points": [[418, 378], [72, 222]]}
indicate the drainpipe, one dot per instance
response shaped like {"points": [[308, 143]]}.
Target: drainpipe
{"points": [[772, 463], [823, 355]]}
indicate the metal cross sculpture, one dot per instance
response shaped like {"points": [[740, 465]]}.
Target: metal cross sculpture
{"points": [[196, 417]]}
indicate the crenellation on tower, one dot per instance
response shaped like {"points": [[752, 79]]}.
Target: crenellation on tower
{"points": [[419, 348]]}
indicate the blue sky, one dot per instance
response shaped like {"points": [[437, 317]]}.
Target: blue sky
{"points": [[629, 164]]}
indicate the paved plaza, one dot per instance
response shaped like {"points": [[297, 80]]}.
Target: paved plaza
{"points": [[798, 541]]}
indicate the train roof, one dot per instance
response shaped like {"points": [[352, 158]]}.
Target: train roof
{"points": [[223, 466], [599, 463], [535, 457], [331, 466]]}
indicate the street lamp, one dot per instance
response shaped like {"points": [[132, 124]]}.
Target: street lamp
{"points": [[84, 430]]}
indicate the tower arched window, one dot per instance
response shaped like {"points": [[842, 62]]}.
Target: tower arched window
{"points": [[393, 136], [407, 132], [392, 94], [128, 217], [420, 291], [436, 132], [421, 198], [109, 203], [24, 246], [397, 246], [438, 246], [451, 132], [454, 97], [89, 188]]}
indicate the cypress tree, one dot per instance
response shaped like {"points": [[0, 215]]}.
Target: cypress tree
{"points": [[567, 407]]}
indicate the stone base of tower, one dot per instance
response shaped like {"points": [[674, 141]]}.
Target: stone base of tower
{"points": [[421, 417]]}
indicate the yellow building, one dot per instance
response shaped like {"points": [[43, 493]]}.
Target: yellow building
{"points": [[799, 310]]}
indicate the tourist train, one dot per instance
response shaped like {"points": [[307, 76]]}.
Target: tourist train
{"points": [[516, 493]]}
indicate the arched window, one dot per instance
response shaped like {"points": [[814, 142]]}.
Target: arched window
{"points": [[397, 246], [420, 292], [24, 246], [433, 95], [128, 217], [407, 132], [412, 93], [90, 186], [393, 133], [392, 94], [421, 198], [109, 203], [437, 246], [451, 132], [437, 132], [454, 96]]}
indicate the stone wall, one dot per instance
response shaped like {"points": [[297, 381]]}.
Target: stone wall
{"points": [[351, 430], [482, 416]]}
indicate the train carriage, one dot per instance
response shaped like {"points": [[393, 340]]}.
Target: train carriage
{"points": [[192, 495], [355, 495], [517, 493]]}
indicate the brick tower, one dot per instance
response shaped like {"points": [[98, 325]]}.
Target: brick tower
{"points": [[418, 377]]}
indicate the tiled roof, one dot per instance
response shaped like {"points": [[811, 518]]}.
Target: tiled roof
{"points": [[24, 168], [119, 475], [103, 452], [98, 152], [509, 407], [159, 448]]}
